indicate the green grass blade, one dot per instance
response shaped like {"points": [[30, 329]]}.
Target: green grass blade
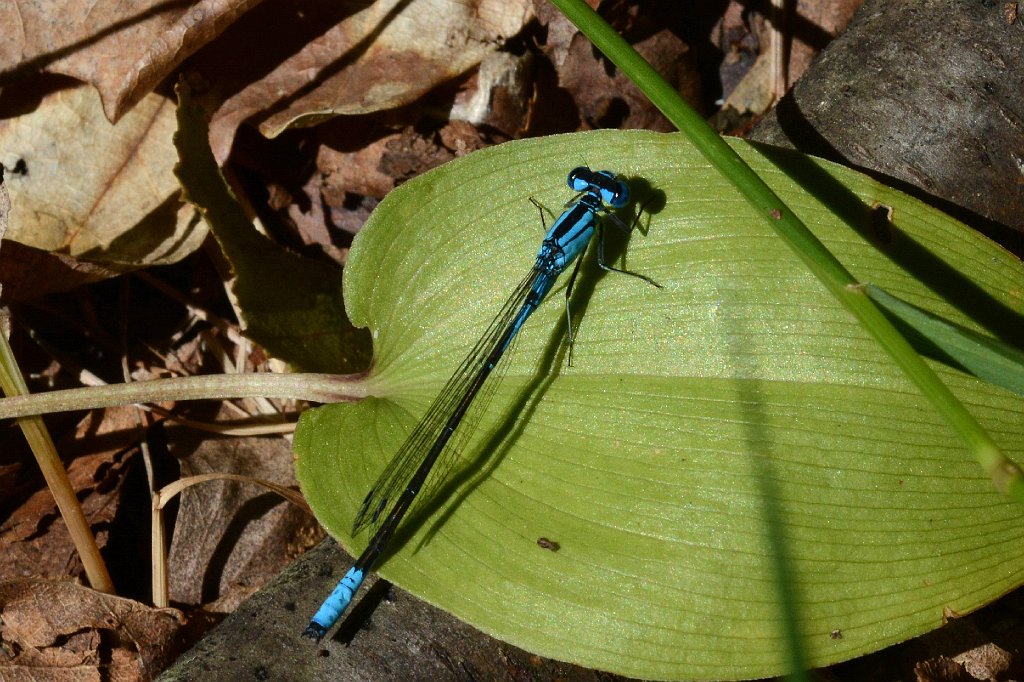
{"points": [[984, 357], [1006, 475]]}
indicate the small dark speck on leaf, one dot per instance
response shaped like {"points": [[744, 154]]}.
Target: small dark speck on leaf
{"points": [[545, 543]]}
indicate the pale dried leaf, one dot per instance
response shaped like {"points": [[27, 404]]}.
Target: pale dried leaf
{"points": [[95, 191], [371, 57], [123, 48], [753, 93], [500, 96]]}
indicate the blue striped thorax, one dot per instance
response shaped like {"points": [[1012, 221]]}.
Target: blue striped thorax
{"points": [[571, 233]]}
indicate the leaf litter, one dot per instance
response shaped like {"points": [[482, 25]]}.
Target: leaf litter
{"points": [[350, 99]]}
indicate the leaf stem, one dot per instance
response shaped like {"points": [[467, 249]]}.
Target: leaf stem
{"points": [[320, 388]]}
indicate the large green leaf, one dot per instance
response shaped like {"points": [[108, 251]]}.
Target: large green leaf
{"points": [[689, 413]]}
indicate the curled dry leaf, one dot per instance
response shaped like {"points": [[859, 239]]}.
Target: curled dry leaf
{"points": [[122, 48], [50, 624], [327, 59], [102, 193]]}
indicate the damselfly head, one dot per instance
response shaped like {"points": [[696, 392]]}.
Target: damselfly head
{"points": [[612, 191]]}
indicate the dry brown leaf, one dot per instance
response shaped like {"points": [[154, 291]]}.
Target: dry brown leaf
{"points": [[591, 93], [941, 669], [813, 25], [94, 191], [461, 138], [377, 167], [29, 273], [310, 216], [356, 172], [986, 662], [318, 60], [59, 630], [411, 154], [34, 539], [613, 100], [231, 537], [498, 96], [122, 48]]}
